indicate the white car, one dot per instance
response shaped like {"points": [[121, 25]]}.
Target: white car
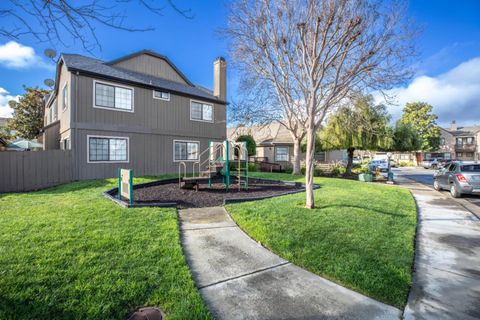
{"points": [[380, 164]]}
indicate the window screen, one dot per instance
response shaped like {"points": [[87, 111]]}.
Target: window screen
{"points": [[107, 149], [108, 96], [185, 150]]}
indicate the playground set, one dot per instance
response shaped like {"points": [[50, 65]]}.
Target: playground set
{"points": [[220, 161], [221, 170]]}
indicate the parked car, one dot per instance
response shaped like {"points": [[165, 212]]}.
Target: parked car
{"points": [[430, 164], [458, 177], [381, 164]]}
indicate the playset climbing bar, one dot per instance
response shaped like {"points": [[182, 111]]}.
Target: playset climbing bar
{"points": [[220, 156]]}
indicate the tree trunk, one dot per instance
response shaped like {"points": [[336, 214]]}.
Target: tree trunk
{"points": [[348, 169], [309, 161], [296, 156]]}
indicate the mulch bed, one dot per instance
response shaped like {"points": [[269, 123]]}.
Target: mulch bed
{"points": [[214, 196]]}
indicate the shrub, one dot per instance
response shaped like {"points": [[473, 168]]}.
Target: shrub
{"points": [[356, 166], [317, 172], [251, 144], [252, 167], [288, 170], [406, 164]]}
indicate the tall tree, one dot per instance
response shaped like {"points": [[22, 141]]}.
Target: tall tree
{"points": [[359, 126], [28, 113], [420, 116], [405, 138], [314, 53]]}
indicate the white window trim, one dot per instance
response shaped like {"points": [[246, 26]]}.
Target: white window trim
{"points": [[288, 153], [202, 102], [108, 137], [63, 98], [115, 85], [63, 143], [153, 94], [192, 160]]}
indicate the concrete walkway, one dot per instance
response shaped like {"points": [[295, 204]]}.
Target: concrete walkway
{"points": [[239, 279], [447, 262]]}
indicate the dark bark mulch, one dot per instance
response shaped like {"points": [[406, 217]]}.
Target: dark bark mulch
{"points": [[214, 196]]}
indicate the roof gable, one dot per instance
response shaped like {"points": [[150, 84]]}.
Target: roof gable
{"points": [[151, 63]]}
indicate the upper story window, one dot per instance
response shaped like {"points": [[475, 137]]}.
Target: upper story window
{"points": [[442, 141], [200, 111], [113, 97], [65, 97], [107, 149], [162, 95]]}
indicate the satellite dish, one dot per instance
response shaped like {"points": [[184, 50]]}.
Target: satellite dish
{"points": [[50, 53], [49, 83]]}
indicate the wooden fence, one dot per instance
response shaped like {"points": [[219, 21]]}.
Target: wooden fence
{"points": [[33, 170]]}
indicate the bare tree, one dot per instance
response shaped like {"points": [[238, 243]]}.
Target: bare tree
{"points": [[55, 20], [314, 53], [259, 107]]}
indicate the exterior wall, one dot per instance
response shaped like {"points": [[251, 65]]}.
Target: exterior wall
{"points": [[335, 155], [51, 136], [64, 115], [151, 65], [148, 154], [150, 115]]}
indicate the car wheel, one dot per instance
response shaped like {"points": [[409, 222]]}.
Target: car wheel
{"points": [[436, 185], [454, 192]]}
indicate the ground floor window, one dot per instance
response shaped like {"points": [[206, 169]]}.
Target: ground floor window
{"points": [[320, 156], [469, 155], [66, 144], [459, 154], [404, 156], [186, 150], [107, 149], [281, 153]]}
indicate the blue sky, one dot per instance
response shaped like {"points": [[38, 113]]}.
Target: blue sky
{"points": [[449, 45]]}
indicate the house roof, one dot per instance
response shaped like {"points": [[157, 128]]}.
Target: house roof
{"points": [[266, 135], [82, 64], [464, 131]]}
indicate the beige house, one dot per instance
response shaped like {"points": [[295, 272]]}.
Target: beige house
{"points": [[275, 145], [139, 111], [460, 143]]}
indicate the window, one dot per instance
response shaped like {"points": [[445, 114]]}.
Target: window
{"points": [[201, 111], [442, 141], [185, 150], [66, 144], [469, 154], [162, 95], [404, 156], [459, 154], [107, 149], [65, 97], [469, 140], [320, 156], [113, 97], [459, 141], [281, 153]]}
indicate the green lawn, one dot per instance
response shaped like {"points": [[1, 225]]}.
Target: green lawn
{"points": [[359, 235], [69, 253]]}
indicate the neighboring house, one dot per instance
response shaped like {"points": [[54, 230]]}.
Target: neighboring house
{"points": [[459, 143], [139, 111], [275, 145]]}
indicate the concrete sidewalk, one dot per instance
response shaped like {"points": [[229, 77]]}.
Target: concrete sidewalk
{"points": [[240, 279], [447, 262]]}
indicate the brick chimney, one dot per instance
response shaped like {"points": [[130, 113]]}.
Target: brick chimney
{"points": [[220, 79], [453, 126]]}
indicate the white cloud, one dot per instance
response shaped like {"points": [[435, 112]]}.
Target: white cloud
{"points": [[17, 56], [5, 110], [454, 95]]}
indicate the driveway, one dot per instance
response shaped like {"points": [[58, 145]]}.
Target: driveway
{"points": [[447, 260]]}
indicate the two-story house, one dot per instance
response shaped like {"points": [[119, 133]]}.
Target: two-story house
{"points": [[459, 143], [139, 111]]}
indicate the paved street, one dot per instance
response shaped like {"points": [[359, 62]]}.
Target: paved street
{"points": [[425, 177], [447, 259]]}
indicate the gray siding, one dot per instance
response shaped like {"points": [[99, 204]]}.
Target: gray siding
{"points": [[32, 170], [150, 115], [51, 136], [150, 65], [149, 154]]}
